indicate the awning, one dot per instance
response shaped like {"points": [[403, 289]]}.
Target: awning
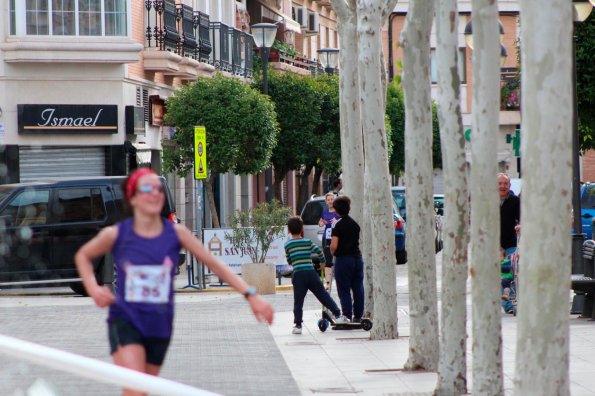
{"points": [[290, 24], [143, 153], [275, 14]]}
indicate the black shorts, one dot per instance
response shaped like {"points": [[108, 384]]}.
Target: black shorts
{"points": [[122, 332]]}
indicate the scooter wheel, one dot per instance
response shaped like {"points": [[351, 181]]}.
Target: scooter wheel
{"points": [[323, 324], [366, 324]]}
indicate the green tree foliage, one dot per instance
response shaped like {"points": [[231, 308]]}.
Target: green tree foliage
{"points": [[395, 111], [585, 77], [298, 104], [254, 230], [241, 128], [329, 130]]}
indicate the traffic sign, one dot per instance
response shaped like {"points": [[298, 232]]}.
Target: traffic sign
{"points": [[200, 152]]}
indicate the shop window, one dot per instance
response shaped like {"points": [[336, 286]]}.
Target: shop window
{"points": [[68, 17]]}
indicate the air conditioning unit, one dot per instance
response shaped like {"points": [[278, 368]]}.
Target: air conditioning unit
{"points": [[312, 22], [300, 15]]}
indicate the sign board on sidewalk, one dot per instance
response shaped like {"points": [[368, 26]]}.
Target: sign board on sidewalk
{"points": [[216, 243], [200, 152]]}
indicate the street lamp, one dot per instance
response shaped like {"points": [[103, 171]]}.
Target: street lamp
{"points": [[264, 37], [582, 9], [329, 58], [469, 33]]}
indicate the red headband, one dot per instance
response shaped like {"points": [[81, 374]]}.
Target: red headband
{"points": [[133, 179]]}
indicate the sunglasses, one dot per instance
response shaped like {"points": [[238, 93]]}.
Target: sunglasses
{"points": [[148, 188]]}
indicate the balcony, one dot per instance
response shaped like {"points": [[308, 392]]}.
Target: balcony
{"points": [[177, 40], [324, 3], [184, 43], [284, 61]]}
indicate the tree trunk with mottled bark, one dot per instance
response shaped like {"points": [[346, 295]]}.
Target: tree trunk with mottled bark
{"points": [[452, 366], [211, 199], [352, 145], [423, 306], [371, 15], [485, 218], [543, 331]]}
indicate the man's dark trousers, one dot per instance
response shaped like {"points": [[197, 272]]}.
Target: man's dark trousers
{"points": [[349, 274]]}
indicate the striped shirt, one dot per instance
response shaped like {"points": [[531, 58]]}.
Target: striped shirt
{"points": [[299, 251]]}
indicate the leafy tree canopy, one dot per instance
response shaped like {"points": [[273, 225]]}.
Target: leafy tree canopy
{"points": [[241, 126], [395, 111], [329, 130], [298, 103], [585, 77]]}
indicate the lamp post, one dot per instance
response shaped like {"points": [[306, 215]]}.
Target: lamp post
{"points": [[582, 9], [264, 37], [329, 58]]}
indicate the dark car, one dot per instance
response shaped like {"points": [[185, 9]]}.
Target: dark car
{"points": [[43, 224], [398, 193], [312, 212]]}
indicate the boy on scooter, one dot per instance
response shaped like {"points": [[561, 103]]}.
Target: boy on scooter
{"points": [[304, 277]]}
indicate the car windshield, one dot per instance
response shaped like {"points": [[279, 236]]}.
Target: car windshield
{"points": [[588, 197], [399, 198], [313, 211], [5, 192]]}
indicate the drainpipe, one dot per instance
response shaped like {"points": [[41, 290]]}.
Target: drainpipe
{"points": [[391, 68]]}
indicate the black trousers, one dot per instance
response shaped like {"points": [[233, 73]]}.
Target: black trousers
{"points": [[309, 280]]}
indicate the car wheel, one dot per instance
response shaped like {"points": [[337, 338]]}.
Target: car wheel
{"points": [[78, 288], [401, 256]]}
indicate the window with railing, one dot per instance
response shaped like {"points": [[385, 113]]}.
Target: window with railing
{"points": [[68, 17]]}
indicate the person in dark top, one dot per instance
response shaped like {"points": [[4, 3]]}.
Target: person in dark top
{"points": [[298, 251], [349, 265], [510, 215], [328, 218]]}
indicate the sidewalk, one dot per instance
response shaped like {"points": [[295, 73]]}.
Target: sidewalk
{"points": [[217, 346]]}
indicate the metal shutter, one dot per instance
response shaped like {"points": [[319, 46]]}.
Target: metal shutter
{"points": [[60, 162]]}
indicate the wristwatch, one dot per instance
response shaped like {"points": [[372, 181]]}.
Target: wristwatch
{"points": [[250, 291]]}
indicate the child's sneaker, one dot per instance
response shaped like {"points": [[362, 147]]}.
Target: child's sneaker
{"points": [[296, 330], [327, 286], [342, 319]]}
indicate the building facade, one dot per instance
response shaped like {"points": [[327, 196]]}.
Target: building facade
{"points": [[83, 83], [509, 116]]}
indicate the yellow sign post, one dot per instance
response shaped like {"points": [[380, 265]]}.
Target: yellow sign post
{"points": [[200, 152]]}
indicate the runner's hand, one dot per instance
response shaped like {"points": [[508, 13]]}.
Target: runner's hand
{"points": [[102, 296], [263, 311]]}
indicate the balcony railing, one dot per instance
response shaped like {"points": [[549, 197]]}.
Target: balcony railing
{"points": [[232, 50], [178, 29]]}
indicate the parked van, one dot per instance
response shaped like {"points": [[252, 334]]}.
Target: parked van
{"points": [[44, 223]]}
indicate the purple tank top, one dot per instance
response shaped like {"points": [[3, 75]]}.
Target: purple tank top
{"points": [[328, 217], [145, 269]]}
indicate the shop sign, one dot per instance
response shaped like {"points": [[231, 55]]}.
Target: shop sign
{"points": [[214, 239], [67, 119]]}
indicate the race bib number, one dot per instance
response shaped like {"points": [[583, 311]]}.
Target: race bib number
{"points": [[328, 233], [147, 283]]}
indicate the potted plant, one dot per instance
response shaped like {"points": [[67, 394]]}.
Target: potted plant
{"points": [[253, 231]]}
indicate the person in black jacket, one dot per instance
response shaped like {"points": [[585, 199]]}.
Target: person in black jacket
{"points": [[510, 215], [349, 265]]}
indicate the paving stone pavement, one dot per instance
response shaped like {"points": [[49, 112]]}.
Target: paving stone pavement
{"points": [[217, 345]]}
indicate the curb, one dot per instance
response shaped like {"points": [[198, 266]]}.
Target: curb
{"points": [[227, 289], [8, 293]]}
